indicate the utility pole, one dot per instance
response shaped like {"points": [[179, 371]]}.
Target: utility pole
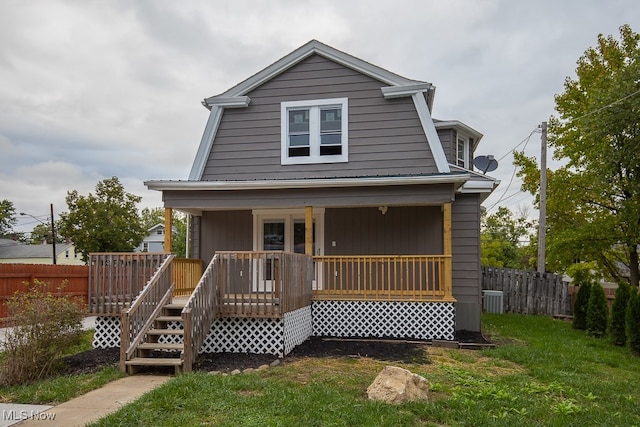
{"points": [[542, 221], [53, 236]]}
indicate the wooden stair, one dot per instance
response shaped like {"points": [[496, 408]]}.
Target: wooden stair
{"points": [[153, 353]]}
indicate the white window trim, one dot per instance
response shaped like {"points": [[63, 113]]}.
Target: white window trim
{"points": [[314, 130], [466, 150]]}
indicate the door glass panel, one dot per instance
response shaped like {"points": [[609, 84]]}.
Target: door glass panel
{"points": [[273, 240], [273, 236], [298, 237]]}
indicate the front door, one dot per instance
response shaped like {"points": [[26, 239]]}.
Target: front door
{"points": [[282, 230]]}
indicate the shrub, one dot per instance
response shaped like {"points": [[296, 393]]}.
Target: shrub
{"points": [[580, 306], [618, 314], [42, 327], [633, 321], [597, 312]]}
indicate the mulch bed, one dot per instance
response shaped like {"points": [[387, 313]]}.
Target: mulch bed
{"points": [[400, 351]]}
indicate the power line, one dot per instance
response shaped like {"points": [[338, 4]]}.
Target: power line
{"points": [[597, 110], [525, 142]]}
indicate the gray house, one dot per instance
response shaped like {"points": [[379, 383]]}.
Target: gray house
{"points": [[324, 154], [153, 241]]}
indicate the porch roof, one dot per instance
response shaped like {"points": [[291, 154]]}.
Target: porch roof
{"points": [[458, 179]]}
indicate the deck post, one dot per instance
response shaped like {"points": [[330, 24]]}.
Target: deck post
{"points": [[308, 230], [446, 232], [168, 226]]}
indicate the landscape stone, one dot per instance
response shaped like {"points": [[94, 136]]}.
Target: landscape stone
{"points": [[397, 385]]}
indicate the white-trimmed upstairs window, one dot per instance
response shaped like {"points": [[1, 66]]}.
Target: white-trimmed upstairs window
{"points": [[462, 152], [314, 131]]}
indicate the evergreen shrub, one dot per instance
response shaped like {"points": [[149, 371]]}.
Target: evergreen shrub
{"points": [[618, 314], [580, 306], [597, 312], [633, 321]]}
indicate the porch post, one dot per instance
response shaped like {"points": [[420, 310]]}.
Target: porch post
{"points": [[308, 230], [446, 212], [168, 226]]}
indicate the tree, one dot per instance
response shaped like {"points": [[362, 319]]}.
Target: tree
{"points": [[151, 217], [618, 314], [581, 305], [593, 201], [7, 217], [633, 321], [42, 233], [597, 312], [105, 222], [501, 237]]}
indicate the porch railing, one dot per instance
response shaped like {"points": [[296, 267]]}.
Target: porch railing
{"points": [[186, 274], [200, 311], [264, 284], [115, 279], [383, 277], [139, 317]]}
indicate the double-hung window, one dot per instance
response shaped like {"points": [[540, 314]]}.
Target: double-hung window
{"points": [[314, 131], [462, 152]]}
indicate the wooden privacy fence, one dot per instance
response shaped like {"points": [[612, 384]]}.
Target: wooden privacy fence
{"points": [[529, 292], [14, 276]]}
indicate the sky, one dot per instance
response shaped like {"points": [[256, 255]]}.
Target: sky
{"points": [[95, 89]]}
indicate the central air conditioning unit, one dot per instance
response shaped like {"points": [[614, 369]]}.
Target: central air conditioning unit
{"points": [[492, 301]]}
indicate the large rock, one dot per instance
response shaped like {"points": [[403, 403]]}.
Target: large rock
{"points": [[397, 385]]}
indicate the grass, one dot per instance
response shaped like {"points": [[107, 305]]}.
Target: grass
{"points": [[543, 373], [60, 388]]}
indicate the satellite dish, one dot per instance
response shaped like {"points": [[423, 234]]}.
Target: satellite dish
{"points": [[485, 163]]}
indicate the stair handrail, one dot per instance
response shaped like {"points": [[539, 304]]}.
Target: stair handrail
{"points": [[200, 312], [136, 320]]}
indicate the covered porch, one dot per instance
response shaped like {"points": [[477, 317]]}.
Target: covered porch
{"points": [[262, 302]]}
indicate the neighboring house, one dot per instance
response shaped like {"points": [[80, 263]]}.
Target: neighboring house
{"points": [[329, 156], [154, 241], [12, 252]]}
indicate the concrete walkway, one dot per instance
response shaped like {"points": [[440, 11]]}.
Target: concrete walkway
{"points": [[95, 404]]}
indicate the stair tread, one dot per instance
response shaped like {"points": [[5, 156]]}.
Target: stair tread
{"points": [[169, 318], [174, 306], [154, 361], [160, 346], [156, 331]]}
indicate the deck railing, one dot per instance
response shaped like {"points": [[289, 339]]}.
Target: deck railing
{"points": [[139, 317], [264, 283], [186, 274], [115, 279], [200, 311], [383, 277]]}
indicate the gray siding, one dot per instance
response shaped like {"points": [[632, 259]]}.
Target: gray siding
{"points": [[465, 237], [415, 230], [320, 197], [225, 231], [447, 137], [385, 136]]}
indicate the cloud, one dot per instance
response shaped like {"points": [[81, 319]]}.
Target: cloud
{"points": [[92, 90]]}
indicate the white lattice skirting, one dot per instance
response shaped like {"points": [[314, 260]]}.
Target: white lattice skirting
{"points": [[232, 335], [382, 319]]}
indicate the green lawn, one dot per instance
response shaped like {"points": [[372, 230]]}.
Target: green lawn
{"points": [[543, 373]]}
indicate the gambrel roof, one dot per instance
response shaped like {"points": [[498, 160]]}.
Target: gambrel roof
{"points": [[418, 94], [398, 86]]}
